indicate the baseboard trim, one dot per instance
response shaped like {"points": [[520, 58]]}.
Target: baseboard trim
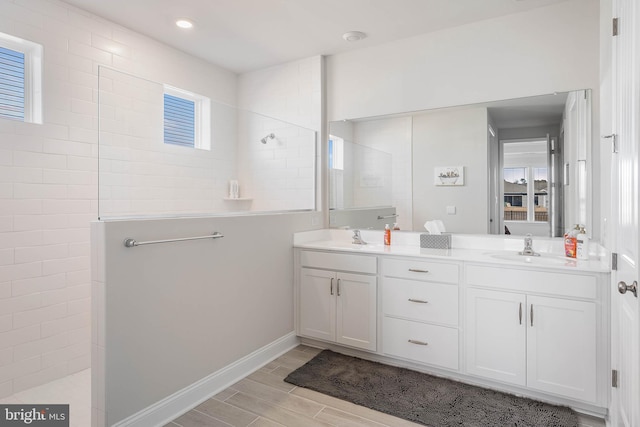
{"points": [[171, 407]]}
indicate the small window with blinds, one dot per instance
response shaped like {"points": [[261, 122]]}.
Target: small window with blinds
{"points": [[20, 79], [186, 119], [179, 121], [11, 84]]}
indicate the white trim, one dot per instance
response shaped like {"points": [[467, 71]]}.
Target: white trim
{"points": [[171, 407]]}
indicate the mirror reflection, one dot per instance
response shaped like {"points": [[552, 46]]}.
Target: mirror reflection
{"points": [[507, 167]]}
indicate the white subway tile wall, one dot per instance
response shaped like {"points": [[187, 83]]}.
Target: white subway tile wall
{"points": [[49, 177], [281, 174]]}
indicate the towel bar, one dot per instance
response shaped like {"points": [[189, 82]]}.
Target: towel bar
{"points": [[130, 243]]}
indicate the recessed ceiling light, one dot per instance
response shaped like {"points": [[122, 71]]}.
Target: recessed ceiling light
{"points": [[354, 36], [184, 23]]}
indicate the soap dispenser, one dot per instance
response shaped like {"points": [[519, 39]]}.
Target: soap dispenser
{"points": [[570, 242], [582, 243], [387, 235]]}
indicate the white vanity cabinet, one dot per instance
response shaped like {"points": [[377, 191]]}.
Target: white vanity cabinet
{"points": [[420, 311], [337, 297], [534, 329]]}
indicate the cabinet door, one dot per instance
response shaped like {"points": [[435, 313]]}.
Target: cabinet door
{"points": [[561, 347], [496, 335], [356, 305], [317, 304]]}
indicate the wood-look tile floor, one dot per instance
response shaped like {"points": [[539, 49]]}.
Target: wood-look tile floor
{"points": [[263, 399]]}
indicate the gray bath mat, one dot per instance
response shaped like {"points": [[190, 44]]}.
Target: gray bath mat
{"points": [[422, 398]]}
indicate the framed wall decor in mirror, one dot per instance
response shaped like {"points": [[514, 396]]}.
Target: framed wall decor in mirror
{"points": [[526, 163]]}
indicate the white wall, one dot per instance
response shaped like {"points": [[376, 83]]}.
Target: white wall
{"points": [[451, 138], [48, 182], [545, 50], [291, 92]]}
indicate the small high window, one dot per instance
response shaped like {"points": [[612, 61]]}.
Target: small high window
{"points": [[336, 152], [187, 119], [20, 79]]}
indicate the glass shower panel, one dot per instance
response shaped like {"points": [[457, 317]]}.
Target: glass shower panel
{"points": [[364, 181], [142, 176], [276, 163]]}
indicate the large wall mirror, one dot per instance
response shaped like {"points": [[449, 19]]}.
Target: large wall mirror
{"points": [[507, 167]]}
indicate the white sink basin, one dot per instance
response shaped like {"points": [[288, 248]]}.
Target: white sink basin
{"points": [[543, 259]]}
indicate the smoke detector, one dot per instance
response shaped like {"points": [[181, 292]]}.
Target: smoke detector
{"points": [[354, 36]]}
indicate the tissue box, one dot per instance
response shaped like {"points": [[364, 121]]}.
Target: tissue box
{"points": [[435, 241]]}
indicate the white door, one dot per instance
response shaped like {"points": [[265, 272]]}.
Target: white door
{"points": [[496, 335], [356, 310], [317, 304], [625, 406], [561, 347]]}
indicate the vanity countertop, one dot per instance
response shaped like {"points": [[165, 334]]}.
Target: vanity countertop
{"points": [[483, 249]]}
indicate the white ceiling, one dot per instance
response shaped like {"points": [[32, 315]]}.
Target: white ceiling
{"points": [[245, 35]]}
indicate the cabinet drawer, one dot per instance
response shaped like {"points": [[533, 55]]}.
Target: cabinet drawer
{"points": [[433, 345], [511, 279], [430, 302], [421, 270], [339, 261]]}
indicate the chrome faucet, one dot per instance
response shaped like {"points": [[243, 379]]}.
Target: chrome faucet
{"points": [[528, 246], [357, 239]]}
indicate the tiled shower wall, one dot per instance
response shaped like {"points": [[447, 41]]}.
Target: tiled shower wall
{"points": [[140, 175], [48, 182], [280, 174]]}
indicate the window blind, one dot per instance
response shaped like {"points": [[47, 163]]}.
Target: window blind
{"points": [[179, 121], [11, 84]]}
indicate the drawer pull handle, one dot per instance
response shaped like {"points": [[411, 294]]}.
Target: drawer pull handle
{"points": [[531, 314], [520, 313], [418, 342], [331, 287], [417, 270], [421, 301], [338, 287]]}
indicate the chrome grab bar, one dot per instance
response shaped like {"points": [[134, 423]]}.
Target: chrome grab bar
{"points": [[388, 216], [130, 243]]}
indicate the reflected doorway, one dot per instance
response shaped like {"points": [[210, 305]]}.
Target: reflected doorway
{"points": [[527, 191]]}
